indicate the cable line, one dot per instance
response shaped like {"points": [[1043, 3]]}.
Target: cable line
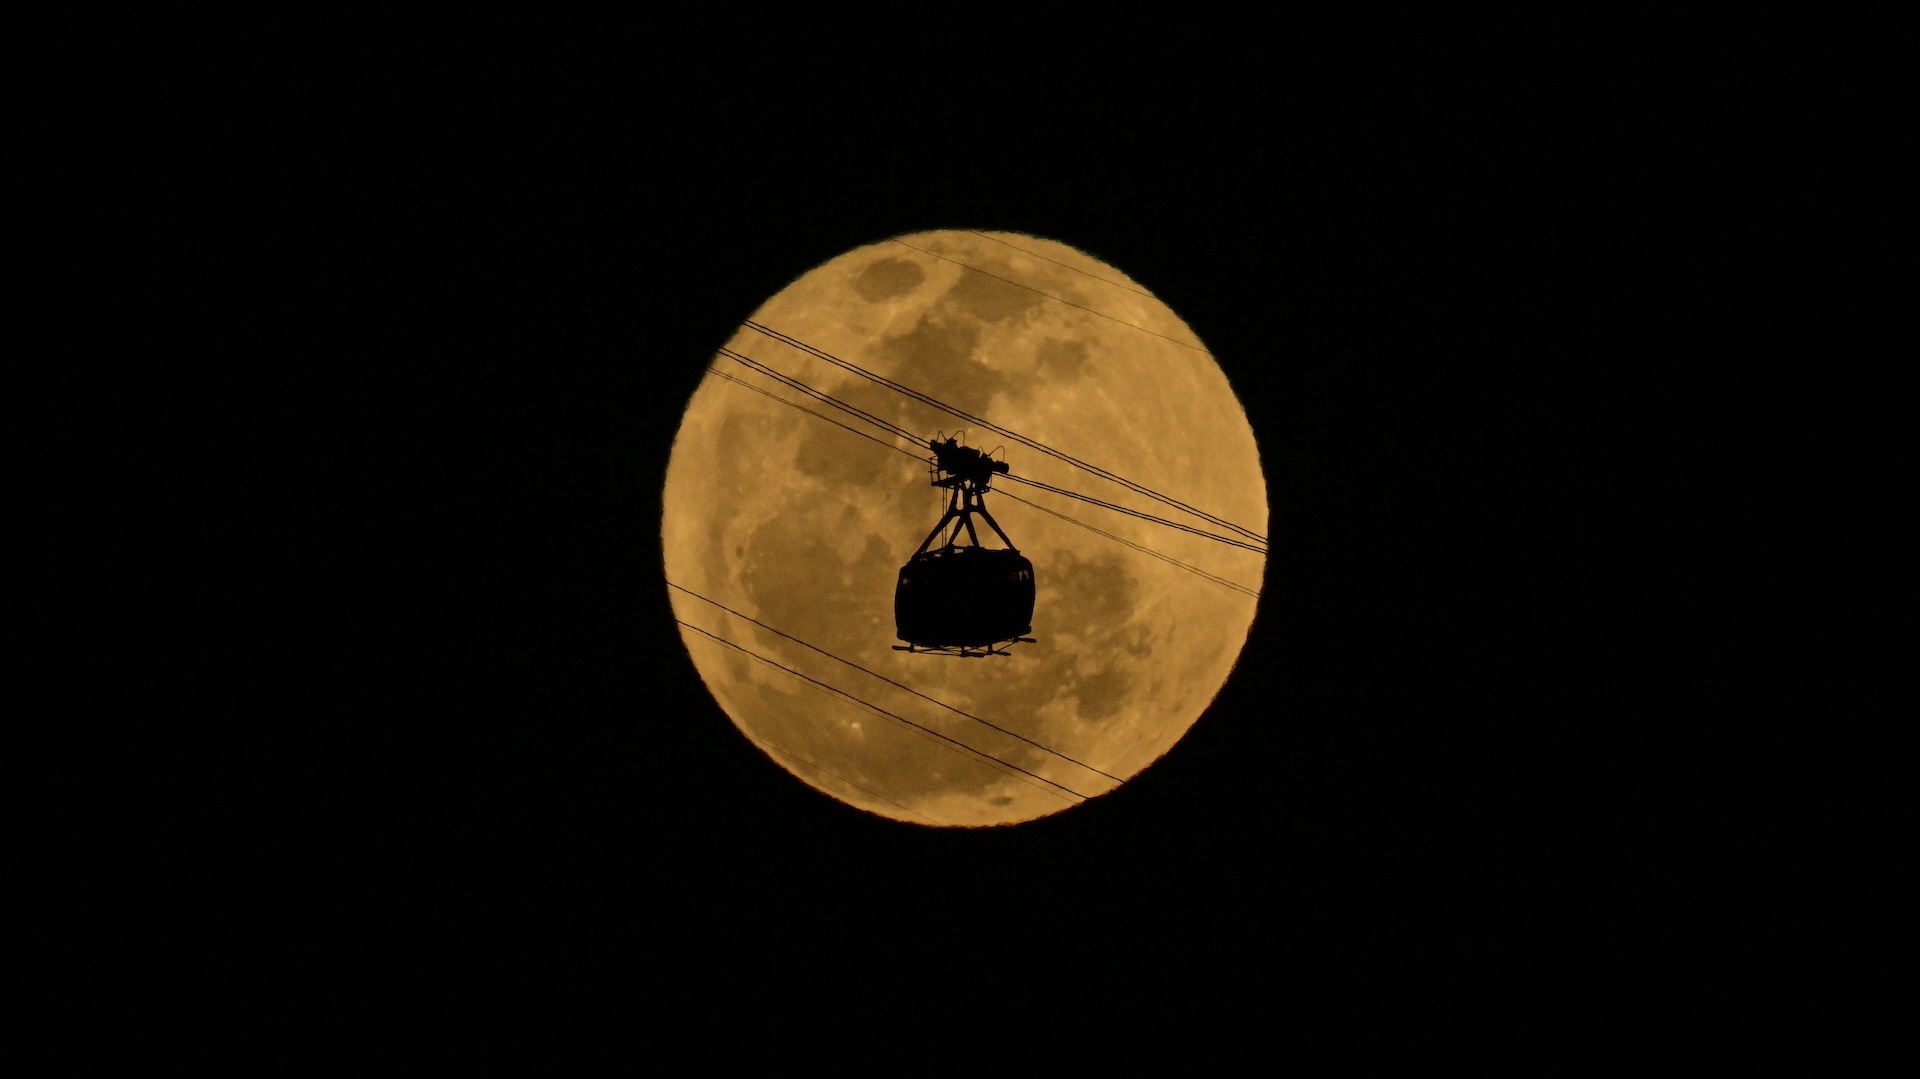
{"points": [[811, 412], [885, 425], [891, 715], [1134, 513], [898, 685], [933, 402], [1150, 552], [1064, 266], [1097, 531], [1049, 295]]}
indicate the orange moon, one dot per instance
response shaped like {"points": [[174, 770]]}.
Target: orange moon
{"points": [[783, 532]]}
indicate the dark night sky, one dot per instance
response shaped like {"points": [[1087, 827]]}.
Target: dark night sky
{"points": [[423, 330]]}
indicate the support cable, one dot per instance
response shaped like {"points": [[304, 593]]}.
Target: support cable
{"points": [[1148, 551], [811, 412], [1050, 296], [958, 745], [818, 395], [897, 685], [1134, 513], [907, 453], [1064, 266], [933, 402]]}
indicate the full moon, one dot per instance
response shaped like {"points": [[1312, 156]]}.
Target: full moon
{"points": [[793, 497]]}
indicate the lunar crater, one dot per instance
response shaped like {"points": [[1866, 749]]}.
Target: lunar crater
{"points": [[887, 279]]}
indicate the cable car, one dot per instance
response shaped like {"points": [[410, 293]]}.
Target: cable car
{"points": [[963, 599]]}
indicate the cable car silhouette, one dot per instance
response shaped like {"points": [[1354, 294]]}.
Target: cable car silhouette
{"points": [[963, 599]]}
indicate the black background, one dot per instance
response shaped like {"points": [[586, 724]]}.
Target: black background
{"points": [[400, 334]]}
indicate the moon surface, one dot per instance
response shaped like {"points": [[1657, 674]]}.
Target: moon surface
{"points": [[783, 533]]}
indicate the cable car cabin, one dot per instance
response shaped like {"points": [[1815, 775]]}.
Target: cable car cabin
{"points": [[961, 598], [964, 597]]}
